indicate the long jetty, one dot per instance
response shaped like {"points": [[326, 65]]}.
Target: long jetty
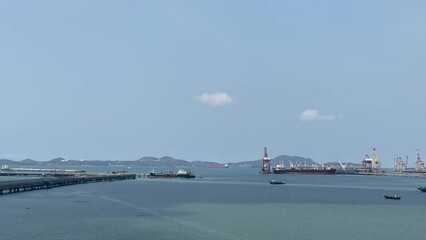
{"points": [[16, 186], [40, 172]]}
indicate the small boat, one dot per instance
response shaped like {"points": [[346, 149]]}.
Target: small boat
{"points": [[395, 197], [423, 189], [275, 182]]}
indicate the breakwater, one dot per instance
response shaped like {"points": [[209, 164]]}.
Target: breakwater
{"points": [[46, 183]]}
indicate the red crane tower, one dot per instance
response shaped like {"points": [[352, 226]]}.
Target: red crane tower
{"points": [[266, 163]]}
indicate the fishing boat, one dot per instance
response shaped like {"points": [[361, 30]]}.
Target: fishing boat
{"points": [[395, 197], [275, 182], [423, 189]]}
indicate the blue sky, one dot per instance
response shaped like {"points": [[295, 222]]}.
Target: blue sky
{"points": [[212, 80]]}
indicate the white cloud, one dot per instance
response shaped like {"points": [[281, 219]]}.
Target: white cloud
{"points": [[314, 115], [216, 99]]}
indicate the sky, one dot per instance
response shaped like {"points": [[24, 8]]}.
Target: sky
{"points": [[212, 80]]}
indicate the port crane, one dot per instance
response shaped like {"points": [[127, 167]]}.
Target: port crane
{"points": [[419, 163], [400, 165], [266, 163], [343, 165], [371, 164]]}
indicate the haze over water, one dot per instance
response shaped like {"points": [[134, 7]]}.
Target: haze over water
{"points": [[225, 204]]}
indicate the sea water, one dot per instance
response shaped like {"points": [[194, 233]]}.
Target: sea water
{"points": [[234, 203]]}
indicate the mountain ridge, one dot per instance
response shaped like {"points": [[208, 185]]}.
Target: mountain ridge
{"points": [[163, 161]]}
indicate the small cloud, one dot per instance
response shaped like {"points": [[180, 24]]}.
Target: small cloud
{"points": [[314, 115], [216, 99]]}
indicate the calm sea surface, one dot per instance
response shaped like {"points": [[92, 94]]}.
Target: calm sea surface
{"points": [[234, 203]]}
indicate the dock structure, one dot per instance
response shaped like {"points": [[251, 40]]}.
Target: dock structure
{"points": [[46, 183], [36, 172], [394, 174]]}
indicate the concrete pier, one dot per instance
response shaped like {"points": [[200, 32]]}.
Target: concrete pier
{"points": [[394, 174], [35, 172], [45, 183]]}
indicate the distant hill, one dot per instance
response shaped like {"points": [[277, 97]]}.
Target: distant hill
{"points": [[6, 162], [28, 162], [164, 161], [145, 161]]}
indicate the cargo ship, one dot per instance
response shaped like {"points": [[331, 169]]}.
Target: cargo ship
{"points": [[182, 173], [218, 166], [315, 170]]}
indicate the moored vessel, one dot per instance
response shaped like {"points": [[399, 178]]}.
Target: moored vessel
{"points": [[182, 173], [316, 170], [218, 166]]}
